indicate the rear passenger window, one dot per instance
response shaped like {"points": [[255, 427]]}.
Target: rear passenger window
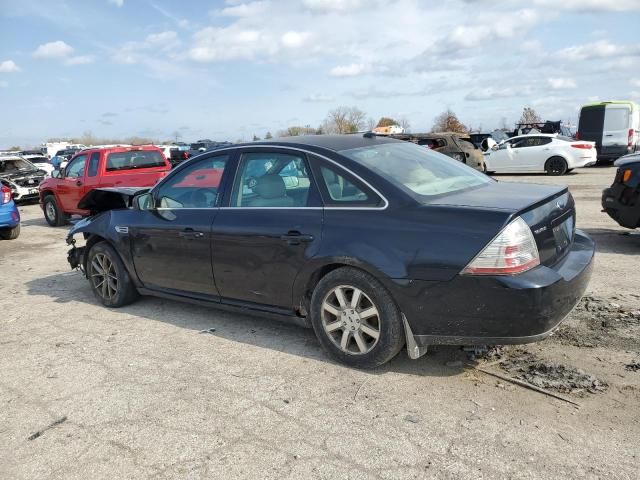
{"points": [[92, 170], [342, 191], [134, 159]]}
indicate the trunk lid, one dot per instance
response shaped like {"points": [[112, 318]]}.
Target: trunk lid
{"points": [[549, 210]]}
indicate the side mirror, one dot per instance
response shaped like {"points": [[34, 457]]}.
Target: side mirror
{"points": [[143, 202]]}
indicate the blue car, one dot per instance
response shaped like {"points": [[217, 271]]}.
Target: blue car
{"points": [[9, 215]]}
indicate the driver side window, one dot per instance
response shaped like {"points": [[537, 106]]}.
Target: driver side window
{"points": [[196, 186], [76, 168]]}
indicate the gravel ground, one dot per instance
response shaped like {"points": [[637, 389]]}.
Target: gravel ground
{"points": [[145, 392]]}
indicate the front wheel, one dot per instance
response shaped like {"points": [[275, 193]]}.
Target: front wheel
{"points": [[108, 277], [355, 319], [556, 166], [53, 214]]}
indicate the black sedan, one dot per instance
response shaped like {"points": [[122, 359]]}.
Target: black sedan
{"points": [[621, 201], [373, 242]]}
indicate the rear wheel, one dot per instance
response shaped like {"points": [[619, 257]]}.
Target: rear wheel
{"points": [[108, 277], [355, 319], [52, 212], [556, 166], [10, 233]]}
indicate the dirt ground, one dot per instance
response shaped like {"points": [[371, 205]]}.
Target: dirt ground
{"points": [[162, 389]]}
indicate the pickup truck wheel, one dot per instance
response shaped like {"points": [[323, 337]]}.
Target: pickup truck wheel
{"points": [[108, 277], [355, 319], [10, 233], [556, 166], [52, 212]]}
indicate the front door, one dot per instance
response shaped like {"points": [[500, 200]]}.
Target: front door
{"points": [[171, 244], [271, 226], [70, 189]]}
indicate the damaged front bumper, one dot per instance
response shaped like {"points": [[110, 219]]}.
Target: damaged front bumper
{"points": [[75, 257]]}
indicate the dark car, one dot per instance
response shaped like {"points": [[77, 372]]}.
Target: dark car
{"points": [[373, 242], [621, 201], [67, 153]]}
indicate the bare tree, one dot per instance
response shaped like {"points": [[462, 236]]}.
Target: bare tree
{"points": [[344, 120], [447, 121], [529, 116], [255, 137], [176, 135], [296, 131], [371, 124], [405, 124], [268, 136]]}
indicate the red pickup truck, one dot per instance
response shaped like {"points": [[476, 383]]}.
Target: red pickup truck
{"points": [[98, 168]]}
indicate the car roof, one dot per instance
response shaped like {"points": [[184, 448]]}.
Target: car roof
{"points": [[120, 148], [330, 142], [549, 135]]}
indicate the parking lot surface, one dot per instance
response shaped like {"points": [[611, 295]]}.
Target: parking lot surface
{"points": [[161, 389]]}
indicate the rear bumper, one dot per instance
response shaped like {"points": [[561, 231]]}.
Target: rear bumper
{"points": [[498, 310], [625, 214], [9, 215], [609, 154]]}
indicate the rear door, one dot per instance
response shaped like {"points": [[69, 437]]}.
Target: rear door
{"points": [[171, 245], [617, 122], [532, 153], [270, 227], [591, 124]]}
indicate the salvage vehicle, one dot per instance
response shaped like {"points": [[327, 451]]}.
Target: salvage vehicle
{"points": [[621, 201], [553, 154], [454, 145], [9, 215], [613, 126], [21, 176], [40, 161], [95, 168], [371, 241]]}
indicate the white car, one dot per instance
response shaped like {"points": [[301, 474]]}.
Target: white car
{"points": [[41, 162], [550, 153]]}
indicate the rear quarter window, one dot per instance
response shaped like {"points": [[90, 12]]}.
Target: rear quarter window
{"points": [[133, 160]]}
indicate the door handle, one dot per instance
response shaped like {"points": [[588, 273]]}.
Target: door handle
{"points": [[78, 183], [296, 238], [609, 135], [189, 233]]}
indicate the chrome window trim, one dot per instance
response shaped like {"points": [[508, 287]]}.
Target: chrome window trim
{"points": [[297, 149]]}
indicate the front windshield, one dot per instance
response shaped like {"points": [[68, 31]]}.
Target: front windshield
{"points": [[417, 170], [15, 165]]}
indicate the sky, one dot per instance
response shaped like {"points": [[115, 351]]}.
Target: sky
{"points": [[227, 70]]}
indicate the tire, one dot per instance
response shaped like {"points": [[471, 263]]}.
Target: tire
{"points": [[370, 341], [53, 214], [118, 290], [10, 233], [556, 166]]}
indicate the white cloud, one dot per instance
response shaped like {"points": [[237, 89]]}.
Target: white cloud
{"points": [[332, 5], [248, 9], [635, 83], [318, 98], [591, 5], [599, 49], [230, 43], [140, 52], [352, 70], [9, 66], [79, 60], [295, 39], [557, 83], [161, 39], [117, 3], [4, 84], [57, 49]]}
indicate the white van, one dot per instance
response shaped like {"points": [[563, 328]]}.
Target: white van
{"points": [[614, 126]]}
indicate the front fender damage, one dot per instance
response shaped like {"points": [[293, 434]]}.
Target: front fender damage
{"points": [[87, 227]]}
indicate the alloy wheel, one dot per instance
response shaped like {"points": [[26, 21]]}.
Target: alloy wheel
{"points": [[556, 165], [103, 276], [351, 320]]}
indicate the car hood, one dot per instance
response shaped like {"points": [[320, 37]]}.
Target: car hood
{"points": [[21, 174], [504, 196], [627, 159], [103, 199]]}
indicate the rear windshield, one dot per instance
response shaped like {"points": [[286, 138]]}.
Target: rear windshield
{"points": [[616, 118], [417, 170], [134, 159]]}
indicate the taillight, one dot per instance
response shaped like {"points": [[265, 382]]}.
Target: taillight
{"points": [[630, 138], [586, 146], [513, 251], [5, 194], [577, 135], [185, 155]]}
